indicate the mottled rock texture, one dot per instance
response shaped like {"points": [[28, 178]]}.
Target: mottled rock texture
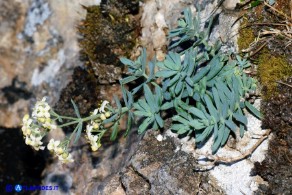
{"points": [[39, 49], [157, 168]]}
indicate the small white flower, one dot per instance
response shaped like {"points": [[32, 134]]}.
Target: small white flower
{"points": [[26, 128], [66, 158], [95, 125], [102, 117], [107, 114], [89, 128], [104, 103], [93, 142], [95, 147], [59, 150], [53, 145], [95, 112], [26, 131], [49, 125], [41, 109], [35, 142]]}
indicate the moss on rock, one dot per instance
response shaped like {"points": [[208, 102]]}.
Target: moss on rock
{"points": [[108, 32], [271, 69], [246, 36]]}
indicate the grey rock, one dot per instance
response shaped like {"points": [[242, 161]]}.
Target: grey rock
{"points": [[155, 168]]}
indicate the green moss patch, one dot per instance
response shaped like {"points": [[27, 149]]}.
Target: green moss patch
{"points": [[108, 32], [246, 36], [271, 69]]}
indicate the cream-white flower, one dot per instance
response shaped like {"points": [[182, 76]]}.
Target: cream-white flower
{"points": [[95, 125], [53, 145], [35, 142], [65, 158], [107, 114], [49, 125], [93, 142], [102, 117], [88, 130], [102, 107], [95, 112], [26, 128], [95, 147], [41, 109], [59, 150]]}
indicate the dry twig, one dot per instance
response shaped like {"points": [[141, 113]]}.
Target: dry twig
{"points": [[284, 83], [216, 160]]}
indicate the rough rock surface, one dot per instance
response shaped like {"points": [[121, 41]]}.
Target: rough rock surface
{"points": [[90, 167], [157, 168], [38, 48]]}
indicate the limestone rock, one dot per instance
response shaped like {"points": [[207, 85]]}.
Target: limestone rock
{"points": [[157, 168], [38, 47]]}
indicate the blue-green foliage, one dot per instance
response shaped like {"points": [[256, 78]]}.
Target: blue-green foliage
{"points": [[204, 87]]}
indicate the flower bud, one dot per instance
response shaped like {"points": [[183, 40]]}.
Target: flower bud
{"points": [[95, 126], [102, 117], [41, 120], [94, 148], [65, 155], [28, 132], [59, 150], [107, 114], [27, 142], [26, 117]]}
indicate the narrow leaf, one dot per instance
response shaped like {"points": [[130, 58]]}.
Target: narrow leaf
{"points": [[75, 109], [129, 124], [78, 133], [225, 136], [126, 61], [167, 105], [114, 132], [198, 113], [128, 79], [199, 75], [218, 140], [202, 137], [240, 118], [165, 73], [231, 125], [159, 120], [144, 125], [253, 110]]}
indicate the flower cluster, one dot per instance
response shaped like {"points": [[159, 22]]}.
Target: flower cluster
{"points": [[58, 150], [32, 133], [34, 129], [41, 113], [42, 121], [94, 126]]}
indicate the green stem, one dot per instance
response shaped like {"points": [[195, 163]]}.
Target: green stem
{"points": [[67, 117], [70, 123], [124, 110]]}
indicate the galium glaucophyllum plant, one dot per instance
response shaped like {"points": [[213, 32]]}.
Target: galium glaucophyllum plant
{"points": [[43, 121], [204, 89]]}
